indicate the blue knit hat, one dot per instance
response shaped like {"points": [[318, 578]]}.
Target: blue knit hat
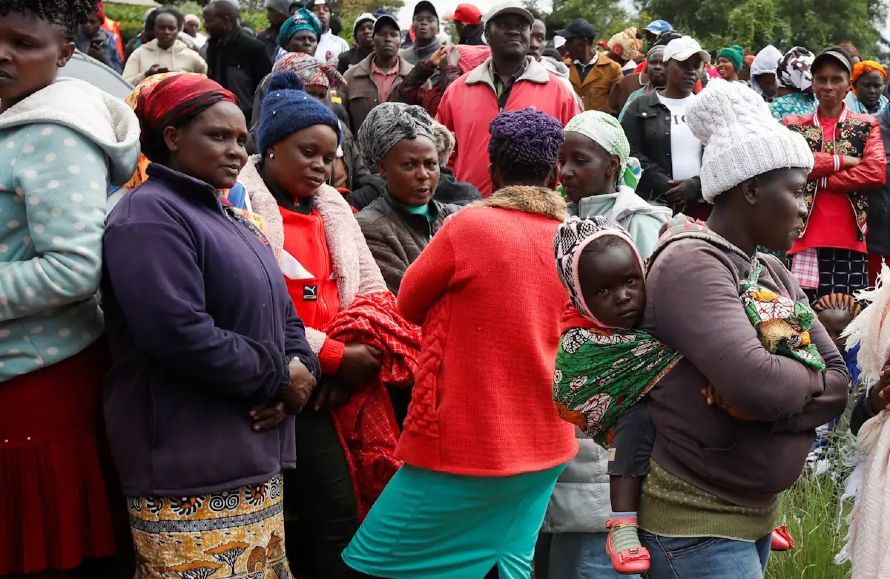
{"points": [[288, 109]]}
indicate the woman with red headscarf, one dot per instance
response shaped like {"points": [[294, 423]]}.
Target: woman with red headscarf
{"points": [[208, 355]]}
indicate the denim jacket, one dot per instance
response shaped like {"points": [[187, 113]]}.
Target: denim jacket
{"points": [[647, 123]]}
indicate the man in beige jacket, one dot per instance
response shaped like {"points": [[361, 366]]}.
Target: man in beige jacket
{"points": [[166, 53]]}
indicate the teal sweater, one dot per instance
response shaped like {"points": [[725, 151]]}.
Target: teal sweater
{"points": [[53, 184]]}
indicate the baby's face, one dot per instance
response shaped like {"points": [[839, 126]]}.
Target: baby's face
{"points": [[612, 284]]}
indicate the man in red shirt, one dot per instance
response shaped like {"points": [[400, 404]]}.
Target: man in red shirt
{"points": [[508, 81]]}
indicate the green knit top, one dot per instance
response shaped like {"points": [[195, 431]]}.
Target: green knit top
{"points": [[671, 507]]}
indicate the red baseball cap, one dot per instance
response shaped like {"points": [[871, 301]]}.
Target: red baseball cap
{"points": [[466, 13]]}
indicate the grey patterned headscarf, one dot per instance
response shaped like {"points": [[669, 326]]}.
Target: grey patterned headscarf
{"points": [[389, 123]]}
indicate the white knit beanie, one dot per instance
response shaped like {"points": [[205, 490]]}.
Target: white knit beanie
{"points": [[741, 138]]}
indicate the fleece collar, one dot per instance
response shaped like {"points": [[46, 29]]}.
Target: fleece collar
{"points": [[534, 200]]}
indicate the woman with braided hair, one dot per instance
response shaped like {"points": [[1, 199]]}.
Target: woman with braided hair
{"points": [[482, 445], [65, 143]]}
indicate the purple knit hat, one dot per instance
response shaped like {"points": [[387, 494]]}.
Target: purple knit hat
{"points": [[525, 144]]}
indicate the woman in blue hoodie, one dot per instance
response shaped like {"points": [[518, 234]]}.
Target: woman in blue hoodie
{"points": [[62, 143], [208, 354]]}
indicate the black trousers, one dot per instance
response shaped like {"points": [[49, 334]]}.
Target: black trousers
{"points": [[319, 503]]}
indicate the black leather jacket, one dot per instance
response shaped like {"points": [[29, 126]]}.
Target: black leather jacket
{"points": [[647, 124]]}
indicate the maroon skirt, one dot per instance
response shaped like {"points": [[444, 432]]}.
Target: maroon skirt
{"points": [[54, 508]]}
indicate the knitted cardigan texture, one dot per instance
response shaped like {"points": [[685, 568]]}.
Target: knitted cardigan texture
{"points": [[487, 295]]}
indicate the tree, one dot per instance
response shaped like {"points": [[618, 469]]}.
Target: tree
{"points": [[606, 16], [815, 24]]}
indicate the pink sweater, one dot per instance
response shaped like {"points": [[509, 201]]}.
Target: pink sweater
{"points": [[487, 295]]}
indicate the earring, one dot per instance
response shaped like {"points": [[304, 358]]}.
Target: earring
{"points": [[271, 155]]}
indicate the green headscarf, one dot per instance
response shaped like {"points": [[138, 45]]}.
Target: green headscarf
{"points": [[608, 133], [301, 20]]}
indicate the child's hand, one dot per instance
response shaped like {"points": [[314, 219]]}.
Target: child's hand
{"points": [[713, 398]]}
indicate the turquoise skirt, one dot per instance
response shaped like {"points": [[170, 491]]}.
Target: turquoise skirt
{"points": [[432, 525]]}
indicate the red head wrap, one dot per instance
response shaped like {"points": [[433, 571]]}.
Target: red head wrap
{"points": [[175, 101]]}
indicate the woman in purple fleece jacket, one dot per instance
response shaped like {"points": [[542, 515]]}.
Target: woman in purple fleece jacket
{"points": [[208, 355], [733, 422]]}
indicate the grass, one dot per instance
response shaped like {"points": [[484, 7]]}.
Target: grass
{"points": [[815, 518], [811, 511]]}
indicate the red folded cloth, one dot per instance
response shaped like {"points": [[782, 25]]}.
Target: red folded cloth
{"points": [[366, 424]]}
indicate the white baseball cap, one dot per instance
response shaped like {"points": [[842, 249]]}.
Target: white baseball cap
{"points": [[558, 41], [684, 48]]}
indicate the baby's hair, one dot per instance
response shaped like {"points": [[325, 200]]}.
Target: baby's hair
{"points": [[838, 301], [69, 14]]}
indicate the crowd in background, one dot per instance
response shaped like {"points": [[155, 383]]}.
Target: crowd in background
{"points": [[527, 302]]}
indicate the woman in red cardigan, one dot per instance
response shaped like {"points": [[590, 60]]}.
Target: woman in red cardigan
{"points": [[831, 254], [482, 443]]}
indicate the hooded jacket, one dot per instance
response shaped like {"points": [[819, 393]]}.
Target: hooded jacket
{"points": [[178, 58], [63, 147], [766, 62]]}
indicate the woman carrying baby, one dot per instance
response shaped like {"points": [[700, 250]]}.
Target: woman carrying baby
{"points": [[735, 417]]}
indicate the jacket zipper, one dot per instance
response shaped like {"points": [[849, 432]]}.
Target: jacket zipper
{"points": [[272, 303]]}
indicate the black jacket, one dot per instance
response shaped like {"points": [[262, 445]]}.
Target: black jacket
{"points": [[448, 191], [878, 235], [239, 63], [647, 124], [269, 38], [474, 36], [350, 58]]}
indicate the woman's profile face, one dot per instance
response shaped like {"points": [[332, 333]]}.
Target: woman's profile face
{"points": [[302, 162], [779, 208], [585, 168], [211, 147], [32, 51]]}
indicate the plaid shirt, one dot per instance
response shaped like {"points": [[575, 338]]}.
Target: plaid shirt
{"points": [[805, 267]]}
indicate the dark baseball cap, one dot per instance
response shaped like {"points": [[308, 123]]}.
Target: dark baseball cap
{"points": [[425, 6], [577, 28], [835, 54], [386, 19]]}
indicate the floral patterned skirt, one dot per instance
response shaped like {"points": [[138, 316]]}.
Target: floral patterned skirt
{"points": [[236, 534]]}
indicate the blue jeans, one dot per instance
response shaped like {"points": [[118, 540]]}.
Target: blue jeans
{"points": [[711, 557], [582, 556]]}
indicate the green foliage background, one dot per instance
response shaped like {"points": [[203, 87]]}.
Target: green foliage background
{"points": [[815, 24]]}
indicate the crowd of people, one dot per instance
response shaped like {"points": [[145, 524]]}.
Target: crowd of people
{"points": [[414, 307]]}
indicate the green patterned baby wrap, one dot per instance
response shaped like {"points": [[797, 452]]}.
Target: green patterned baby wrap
{"points": [[601, 373]]}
